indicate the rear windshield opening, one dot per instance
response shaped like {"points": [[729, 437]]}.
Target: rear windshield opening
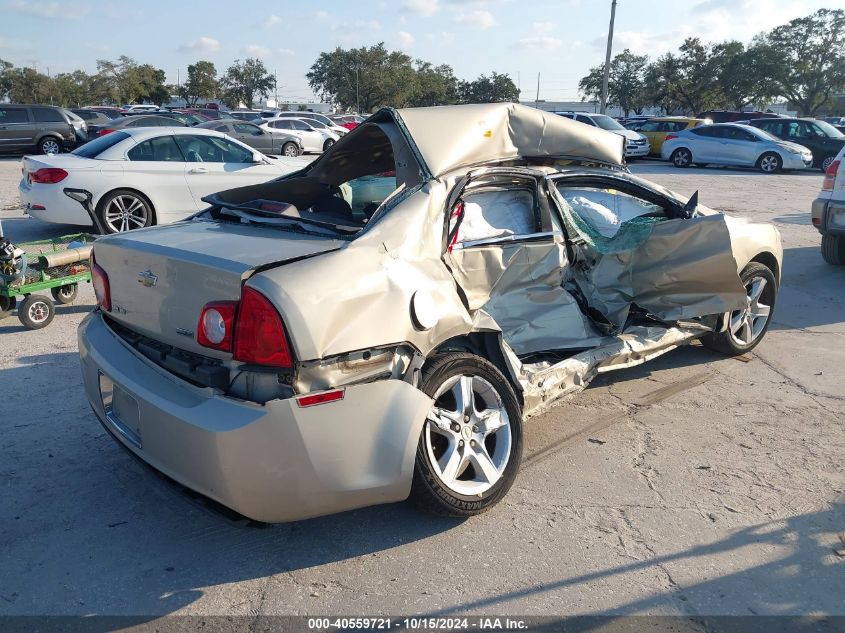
{"points": [[99, 145], [345, 187]]}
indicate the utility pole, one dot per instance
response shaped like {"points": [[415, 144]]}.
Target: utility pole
{"points": [[357, 94], [607, 59], [537, 98]]}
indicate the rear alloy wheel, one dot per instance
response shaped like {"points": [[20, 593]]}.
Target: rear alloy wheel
{"points": [[770, 163], [65, 294], [122, 211], [36, 312], [471, 443], [833, 249], [290, 149], [329, 142], [827, 162], [747, 326], [681, 157], [50, 145]]}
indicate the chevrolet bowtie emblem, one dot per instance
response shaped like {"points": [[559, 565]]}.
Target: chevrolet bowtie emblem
{"points": [[147, 278]]}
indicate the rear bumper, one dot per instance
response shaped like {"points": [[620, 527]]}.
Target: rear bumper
{"points": [[828, 216], [49, 204], [275, 462]]}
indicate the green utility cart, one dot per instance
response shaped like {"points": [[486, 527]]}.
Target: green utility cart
{"points": [[57, 265]]}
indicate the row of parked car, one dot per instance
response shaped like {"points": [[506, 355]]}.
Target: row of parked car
{"points": [[52, 130], [765, 141]]}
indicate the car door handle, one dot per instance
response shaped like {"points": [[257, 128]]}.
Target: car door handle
{"points": [[198, 170]]}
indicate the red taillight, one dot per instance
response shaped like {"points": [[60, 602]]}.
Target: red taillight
{"points": [[216, 325], [251, 329], [320, 398], [48, 175], [104, 132], [830, 176], [670, 136], [260, 337], [100, 281]]}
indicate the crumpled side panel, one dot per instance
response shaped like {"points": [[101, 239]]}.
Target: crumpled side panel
{"points": [[518, 286], [544, 383]]}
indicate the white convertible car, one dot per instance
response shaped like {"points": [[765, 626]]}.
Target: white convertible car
{"points": [[143, 176]]}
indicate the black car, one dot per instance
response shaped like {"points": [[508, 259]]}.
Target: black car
{"points": [[254, 136], [731, 116], [96, 120], [819, 137]]}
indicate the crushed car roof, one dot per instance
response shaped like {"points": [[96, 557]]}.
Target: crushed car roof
{"points": [[449, 137]]}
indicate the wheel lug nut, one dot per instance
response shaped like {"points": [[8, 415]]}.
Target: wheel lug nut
{"points": [[475, 429], [461, 443], [472, 443]]}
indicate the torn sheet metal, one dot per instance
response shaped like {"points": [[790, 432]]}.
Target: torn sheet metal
{"points": [[449, 137], [519, 286], [674, 269], [544, 383]]}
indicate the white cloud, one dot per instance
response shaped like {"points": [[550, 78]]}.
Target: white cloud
{"points": [[271, 21], [357, 25], [256, 50], [544, 27], [441, 37], [538, 43], [406, 40], [421, 7], [50, 10], [322, 15], [478, 19], [202, 44], [287, 52]]}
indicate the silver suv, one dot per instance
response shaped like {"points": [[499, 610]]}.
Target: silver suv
{"points": [[42, 128]]}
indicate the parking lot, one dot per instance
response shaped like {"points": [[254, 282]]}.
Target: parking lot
{"points": [[694, 485]]}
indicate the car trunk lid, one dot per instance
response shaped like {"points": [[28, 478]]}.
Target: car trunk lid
{"points": [[160, 278]]}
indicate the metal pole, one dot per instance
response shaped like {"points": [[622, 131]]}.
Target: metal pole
{"points": [[357, 94], [607, 59], [537, 99]]}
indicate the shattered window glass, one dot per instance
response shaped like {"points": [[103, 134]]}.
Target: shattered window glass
{"points": [[607, 219]]}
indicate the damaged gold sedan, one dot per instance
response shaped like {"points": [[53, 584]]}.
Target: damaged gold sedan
{"points": [[381, 323]]}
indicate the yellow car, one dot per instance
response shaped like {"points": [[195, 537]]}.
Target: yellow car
{"points": [[655, 130]]}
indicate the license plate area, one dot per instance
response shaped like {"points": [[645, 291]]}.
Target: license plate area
{"points": [[121, 410]]}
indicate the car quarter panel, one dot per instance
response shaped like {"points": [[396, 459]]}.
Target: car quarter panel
{"points": [[274, 462]]}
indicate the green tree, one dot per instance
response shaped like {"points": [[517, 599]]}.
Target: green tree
{"points": [[496, 88], [5, 78], [201, 83], [744, 75], [626, 82], [810, 58], [658, 79], [27, 85], [71, 89], [246, 80], [130, 82], [364, 78], [434, 85]]}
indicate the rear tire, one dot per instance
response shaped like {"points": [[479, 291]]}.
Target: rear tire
{"points": [[290, 149], [833, 249], [769, 163], [470, 448], [826, 162], [681, 157], [65, 294], [36, 312], [50, 145], [745, 329], [111, 209], [329, 142]]}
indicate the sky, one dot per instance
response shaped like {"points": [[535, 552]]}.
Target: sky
{"points": [[561, 40]]}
